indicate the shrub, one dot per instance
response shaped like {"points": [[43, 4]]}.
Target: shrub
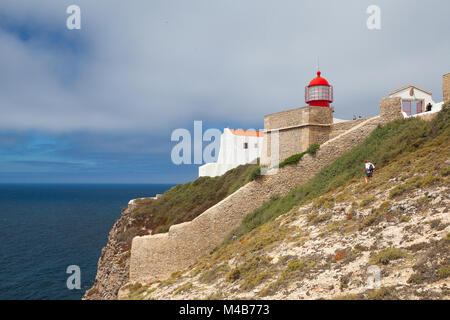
{"points": [[312, 149], [444, 272], [416, 278], [387, 255], [233, 275], [255, 174], [386, 293], [294, 159], [366, 201], [183, 288], [445, 171], [212, 274]]}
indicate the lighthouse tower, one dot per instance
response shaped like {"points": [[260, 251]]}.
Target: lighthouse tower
{"points": [[298, 128], [319, 92]]}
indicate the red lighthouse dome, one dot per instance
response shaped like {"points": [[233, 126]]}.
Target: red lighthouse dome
{"points": [[319, 92]]}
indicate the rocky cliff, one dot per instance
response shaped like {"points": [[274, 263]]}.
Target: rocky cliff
{"points": [[149, 216]]}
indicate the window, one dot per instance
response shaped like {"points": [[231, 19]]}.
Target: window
{"points": [[245, 145], [318, 93], [411, 107], [406, 107]]}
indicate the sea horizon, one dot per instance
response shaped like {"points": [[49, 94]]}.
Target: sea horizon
{"points": [[46, 227]]}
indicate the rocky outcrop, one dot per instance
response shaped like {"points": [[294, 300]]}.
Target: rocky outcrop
{"points": [[113, 265]]}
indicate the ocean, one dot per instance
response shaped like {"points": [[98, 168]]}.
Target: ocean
{"points": [[44, 228]]}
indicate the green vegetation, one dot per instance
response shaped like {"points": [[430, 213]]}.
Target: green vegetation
{"points": [[387, 255], [214, 273], [416, 278], [413, 183], [295, 271], [255, 173], [183, 288], [366, 201], [444, 272], [251, 273], [136, 291], [377, 214], [184, 202], [350, 296], [445, 171], [312, 150], [386, 293], [385, 144]]}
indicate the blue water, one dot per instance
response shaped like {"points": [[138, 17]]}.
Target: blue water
{"points": [[46, 228]]}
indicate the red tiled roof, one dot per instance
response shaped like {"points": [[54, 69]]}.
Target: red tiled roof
{"points": [[246, 133]]}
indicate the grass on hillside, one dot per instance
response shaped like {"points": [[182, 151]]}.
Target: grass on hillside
{"points": [[184, 202], [385, 144], [294, 159]]}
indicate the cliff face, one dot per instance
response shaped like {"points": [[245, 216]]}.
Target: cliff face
{"points": [[113, 265], [149, 216]]}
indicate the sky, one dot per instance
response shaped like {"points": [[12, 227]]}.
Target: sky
{"points": [[99, 104]]}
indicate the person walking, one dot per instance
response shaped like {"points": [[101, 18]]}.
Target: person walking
{"points": [[368, 170]]}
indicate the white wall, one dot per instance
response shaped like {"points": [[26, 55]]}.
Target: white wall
{"points": [[418, 95], [232, 153]]}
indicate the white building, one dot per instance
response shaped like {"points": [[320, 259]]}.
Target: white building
{"points": [[416, 101], [237, 147]]}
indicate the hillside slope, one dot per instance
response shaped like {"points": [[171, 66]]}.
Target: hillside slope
{"points": [[322, 239], [148, 216]]}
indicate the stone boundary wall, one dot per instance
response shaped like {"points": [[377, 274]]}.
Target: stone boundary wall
{"points": [[446, 87], [340, 127], [391, 108], [156, 257]]}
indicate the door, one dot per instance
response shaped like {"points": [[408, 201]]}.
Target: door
{"points": [[411, 107]]}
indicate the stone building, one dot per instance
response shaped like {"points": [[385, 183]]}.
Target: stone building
{"points": [[293, 131], [237, 147], [412, 101], [415, 101], [446, 87]]}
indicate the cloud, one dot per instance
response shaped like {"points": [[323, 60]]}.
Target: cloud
{"points": [[106, 97], [156, 64]]}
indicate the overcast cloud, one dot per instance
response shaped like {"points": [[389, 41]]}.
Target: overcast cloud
{"points": [[148, 67]]}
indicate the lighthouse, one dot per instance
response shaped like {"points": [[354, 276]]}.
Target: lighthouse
{"points": [[299, 128], [319, 92]]}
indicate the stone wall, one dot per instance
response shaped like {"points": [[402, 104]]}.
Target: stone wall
{"points": [[297, 129], [156, 257], [340, 127], [391, 108], [446, 87]]}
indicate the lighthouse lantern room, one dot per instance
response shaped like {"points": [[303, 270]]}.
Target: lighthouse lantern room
{"points": [[319, 92]]}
